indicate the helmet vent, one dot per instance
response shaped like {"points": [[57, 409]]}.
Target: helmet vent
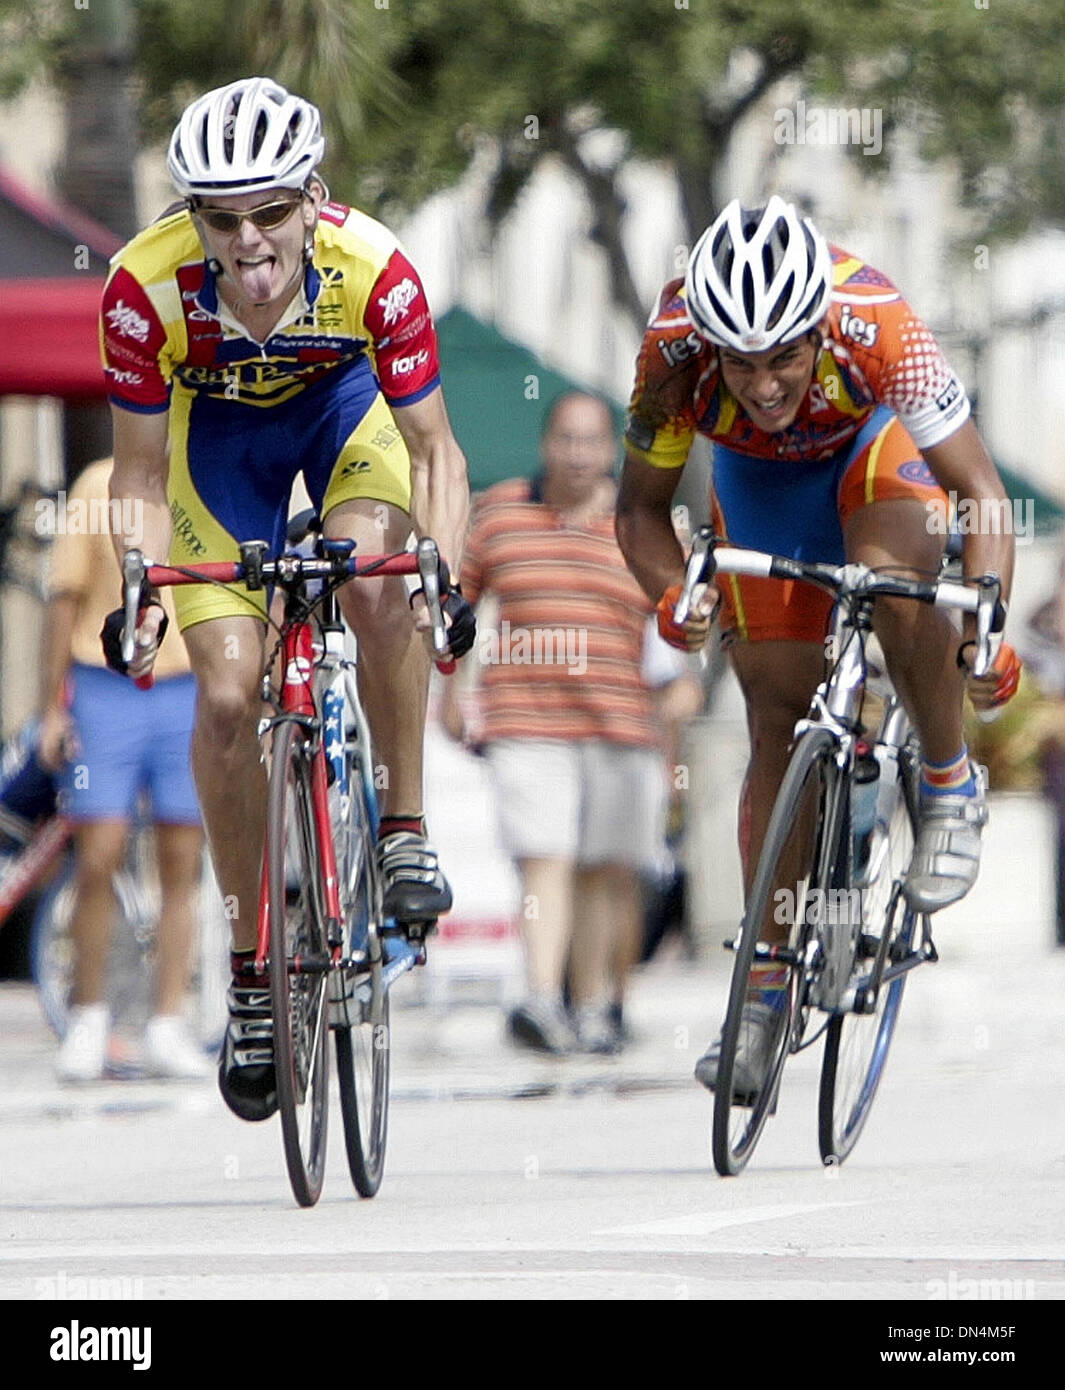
{"points": [[783, 300]]}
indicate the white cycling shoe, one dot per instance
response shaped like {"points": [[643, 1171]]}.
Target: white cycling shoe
{"points": [[759, 1032], [946, 855]]}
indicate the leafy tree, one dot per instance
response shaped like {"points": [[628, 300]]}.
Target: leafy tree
{"points": [[409, 90]]}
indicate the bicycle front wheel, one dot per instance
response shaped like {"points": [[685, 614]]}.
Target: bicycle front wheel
{"points": [[856, 1044], [361, 1019], [299, 962], [766, 998]]}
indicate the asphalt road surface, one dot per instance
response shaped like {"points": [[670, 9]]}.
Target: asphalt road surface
{"points": [[510, 1176]]}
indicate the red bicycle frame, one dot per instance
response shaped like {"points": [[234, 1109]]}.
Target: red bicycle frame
{"points": [[298, 663], [297, 698]]}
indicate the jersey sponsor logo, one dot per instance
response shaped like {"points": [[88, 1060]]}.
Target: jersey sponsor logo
{"points": [[917, 471], [125, 320], [183, 532], [860, 330], [398, 300], [116, 348], [948, 399], [355, 466], [678, 350], [386, 436], [403, 366], [410, 330], [124, 378]]}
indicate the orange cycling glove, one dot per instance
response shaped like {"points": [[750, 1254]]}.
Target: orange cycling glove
{"points": [[1006, 666], [668, 630]]}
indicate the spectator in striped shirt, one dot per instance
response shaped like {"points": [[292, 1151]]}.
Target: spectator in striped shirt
{"points": [[567, 725]]}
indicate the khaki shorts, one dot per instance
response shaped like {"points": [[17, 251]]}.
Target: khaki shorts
{"points": [[589, 802]]}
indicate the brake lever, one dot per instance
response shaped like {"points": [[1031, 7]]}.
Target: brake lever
{"points": [[133, 574], [990, 593], [699, 570], [429, 572]]}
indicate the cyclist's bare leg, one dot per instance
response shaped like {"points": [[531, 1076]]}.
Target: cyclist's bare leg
{"points": [[394, 669], [227, 656], [179, 855], [919, 642], [777, 679], [100, 847]]}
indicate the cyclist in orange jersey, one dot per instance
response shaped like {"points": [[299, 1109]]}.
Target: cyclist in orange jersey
{"points": [[838, 431]]}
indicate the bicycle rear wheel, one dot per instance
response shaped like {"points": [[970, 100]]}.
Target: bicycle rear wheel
{"points": [[299, 962], [856, 1044], [796, 861], [361, 1018]]}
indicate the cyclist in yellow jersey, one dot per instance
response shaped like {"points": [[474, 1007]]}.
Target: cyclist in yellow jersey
{"points": [[838, 428], [258, 332]]}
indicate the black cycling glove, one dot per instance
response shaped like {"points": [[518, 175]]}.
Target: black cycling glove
{"points": [[463, 627], [111, 632]]}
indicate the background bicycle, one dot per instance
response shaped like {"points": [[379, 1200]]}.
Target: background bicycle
{"points": [[35, 855]]}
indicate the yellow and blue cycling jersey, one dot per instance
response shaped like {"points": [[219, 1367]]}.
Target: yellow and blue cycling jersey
{"points": [[245, 417], [164, 329]]}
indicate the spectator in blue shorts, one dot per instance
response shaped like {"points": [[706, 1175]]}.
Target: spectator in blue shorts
{"points": [[115, 743]]}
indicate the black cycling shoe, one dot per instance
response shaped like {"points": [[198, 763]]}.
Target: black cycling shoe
{"points": [[246, 1075], [414, 888]]}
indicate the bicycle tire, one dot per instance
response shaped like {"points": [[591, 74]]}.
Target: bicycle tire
{"points": [[856, 1044], [361, 1021], [299, 999], [795, 852]]}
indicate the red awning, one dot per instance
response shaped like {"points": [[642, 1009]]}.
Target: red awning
{"points": [[49, 338]]}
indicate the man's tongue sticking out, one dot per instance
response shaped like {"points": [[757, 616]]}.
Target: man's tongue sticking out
{"points": [[256, 274]]}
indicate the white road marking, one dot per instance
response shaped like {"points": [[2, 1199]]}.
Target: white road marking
{"points": [[704, 1223]]}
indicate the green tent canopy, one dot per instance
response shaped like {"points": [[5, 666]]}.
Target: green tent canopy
{"points": [[497, 394]]}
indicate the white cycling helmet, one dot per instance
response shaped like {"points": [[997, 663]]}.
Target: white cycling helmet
{"points": [[758, 277], [245, 137]]}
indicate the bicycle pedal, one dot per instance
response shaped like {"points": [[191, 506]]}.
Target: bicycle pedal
{"points": [[413, 932]]}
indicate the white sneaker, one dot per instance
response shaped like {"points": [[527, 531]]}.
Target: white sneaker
{"points": [[84, 1048], [170, 1050]]}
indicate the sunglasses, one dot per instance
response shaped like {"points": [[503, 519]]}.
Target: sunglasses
{"points": [[266, 218]]}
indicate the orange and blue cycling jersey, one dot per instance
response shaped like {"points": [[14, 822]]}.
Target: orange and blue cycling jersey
{"points": [[881, 391], [246, 417]]}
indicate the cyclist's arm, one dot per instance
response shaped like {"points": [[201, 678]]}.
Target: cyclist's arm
{"points": [[962, 465], [440, 491], [644, 524], [139, 480], [139, 475]]}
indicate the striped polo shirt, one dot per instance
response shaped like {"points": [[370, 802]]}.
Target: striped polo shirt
{"points": [[565, 660]]}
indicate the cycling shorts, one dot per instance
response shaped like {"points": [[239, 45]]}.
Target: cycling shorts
{"points": [[232, 466], [799, 509], [130, 741]]}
